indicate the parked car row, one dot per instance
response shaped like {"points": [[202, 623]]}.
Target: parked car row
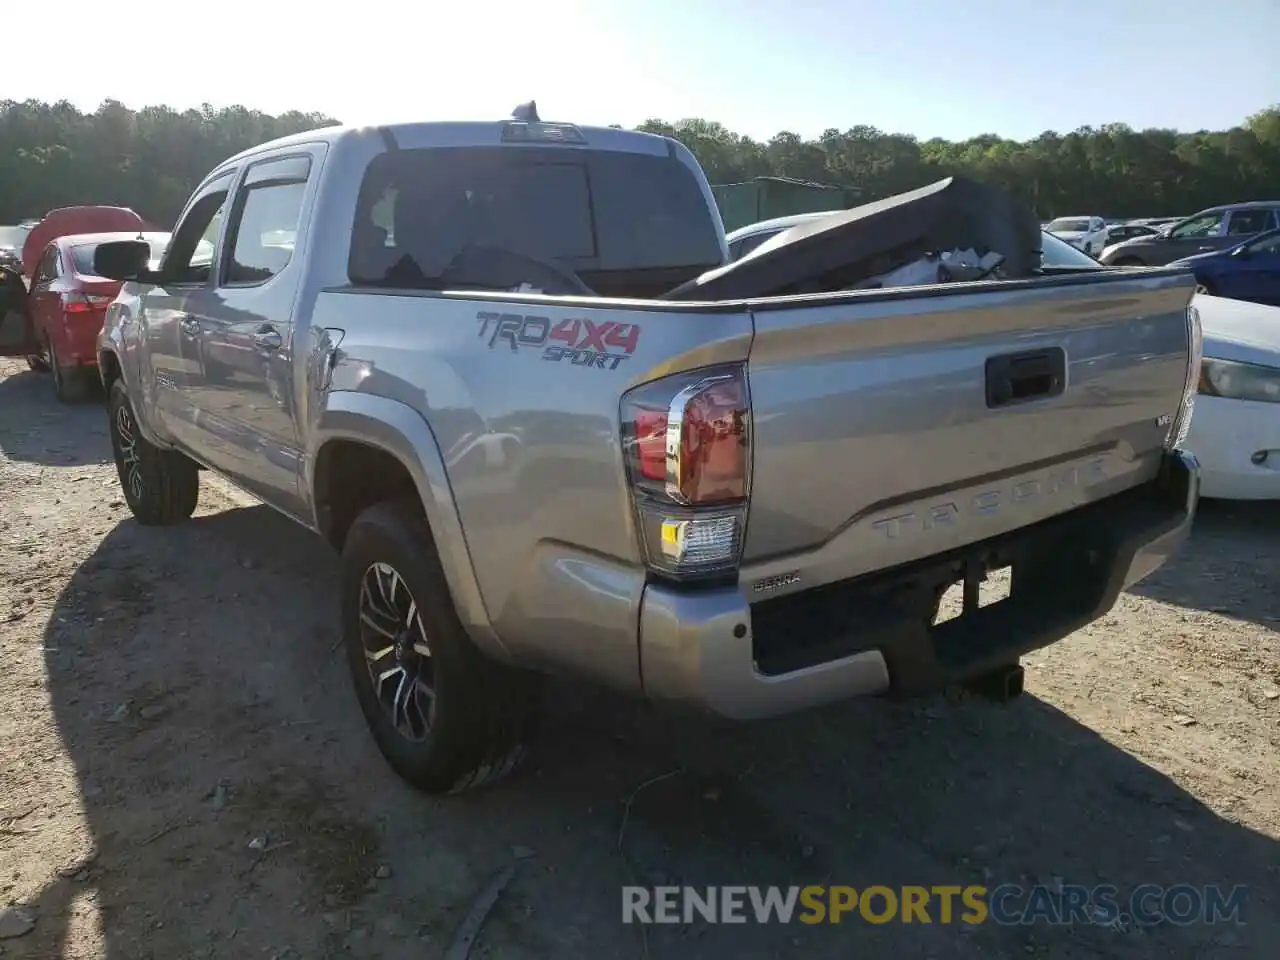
{"points": [[66, 299]]}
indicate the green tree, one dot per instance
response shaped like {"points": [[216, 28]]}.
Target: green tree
{"points": [[52, 155]]}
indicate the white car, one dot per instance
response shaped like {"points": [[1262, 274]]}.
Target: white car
{"points": [[1088, 234], [1235, 424]]}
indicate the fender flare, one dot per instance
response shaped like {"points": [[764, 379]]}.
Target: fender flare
{"points": [[402, 432]]}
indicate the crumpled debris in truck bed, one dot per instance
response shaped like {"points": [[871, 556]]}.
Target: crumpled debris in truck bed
{"points": [[958, 265]]}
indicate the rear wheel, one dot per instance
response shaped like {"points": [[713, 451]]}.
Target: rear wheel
{"points": [[161, 487], [445, 716], [70, 384]]}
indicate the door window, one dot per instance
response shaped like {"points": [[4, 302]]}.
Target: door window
{"points": [[189, 257], [264, 228], [1266, 247], [1245, 223], [1206, 225]]}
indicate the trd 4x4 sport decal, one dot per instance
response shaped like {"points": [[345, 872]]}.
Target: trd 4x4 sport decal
{"points": [[582, 342]]}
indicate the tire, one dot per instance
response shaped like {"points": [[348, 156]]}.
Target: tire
{"points": [[1205, 288], [1088, 249], [476, 726], [161, 487], [38, 363], [70, 385]]}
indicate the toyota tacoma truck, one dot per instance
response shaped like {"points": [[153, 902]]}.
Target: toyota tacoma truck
{"points": [[507, 370]]}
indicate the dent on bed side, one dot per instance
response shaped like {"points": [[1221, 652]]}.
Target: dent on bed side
{"points": [[400, 431]]}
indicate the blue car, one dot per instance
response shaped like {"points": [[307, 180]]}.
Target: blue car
{"points": [[1247, 271]]}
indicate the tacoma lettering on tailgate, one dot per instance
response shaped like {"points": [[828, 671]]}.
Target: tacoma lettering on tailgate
{"points": [[582, 342], [952, 513]]}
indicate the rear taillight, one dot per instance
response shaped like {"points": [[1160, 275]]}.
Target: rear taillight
{"points": [[1195, 356], [687, 443], [84, 302]]}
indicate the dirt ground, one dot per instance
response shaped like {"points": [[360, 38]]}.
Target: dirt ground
{"points": [[184, 771]]}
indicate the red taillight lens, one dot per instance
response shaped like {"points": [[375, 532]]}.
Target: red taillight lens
{"points": [[651, 444], [84, 303], [687, 442], [687, 437]]}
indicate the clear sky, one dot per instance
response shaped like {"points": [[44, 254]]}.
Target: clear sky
{"points": [[950, 68]]}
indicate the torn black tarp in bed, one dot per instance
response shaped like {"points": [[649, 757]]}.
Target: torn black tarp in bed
{"points": [[847, 249]]}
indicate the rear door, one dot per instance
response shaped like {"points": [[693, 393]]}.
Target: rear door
{"points": [[1248, 222], [17, 334], [44, 300]]}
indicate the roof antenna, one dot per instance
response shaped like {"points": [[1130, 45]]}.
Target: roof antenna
{"points": [[526, 112]]}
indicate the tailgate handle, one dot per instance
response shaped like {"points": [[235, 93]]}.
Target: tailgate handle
{"points": [[1022, 377]]}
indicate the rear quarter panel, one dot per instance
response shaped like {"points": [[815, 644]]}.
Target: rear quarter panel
{"points": [[531, 446]]}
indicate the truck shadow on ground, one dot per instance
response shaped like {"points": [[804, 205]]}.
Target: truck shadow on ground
{"points": [[1226, 567], [195, 679], [58, 434]]}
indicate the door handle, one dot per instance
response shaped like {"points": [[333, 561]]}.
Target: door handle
{"points": [[189, 324], [267, 339], [1206, 247]]}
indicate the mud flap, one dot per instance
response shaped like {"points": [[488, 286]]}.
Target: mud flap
{"points": [[17, 333]]}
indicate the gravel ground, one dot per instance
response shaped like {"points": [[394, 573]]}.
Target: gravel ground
{"points": [[184, 771]]}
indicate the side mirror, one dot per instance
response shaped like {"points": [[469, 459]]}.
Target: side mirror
{"points": [[122, 259]]}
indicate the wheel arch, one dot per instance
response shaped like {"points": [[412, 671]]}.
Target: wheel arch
{"points": [[365, 449]]}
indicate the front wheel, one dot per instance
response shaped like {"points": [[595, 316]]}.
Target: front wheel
{"points": [[445, 717], [160, 486]]}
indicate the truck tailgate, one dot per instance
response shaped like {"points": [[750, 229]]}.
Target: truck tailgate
{"points": [[893, 426]]}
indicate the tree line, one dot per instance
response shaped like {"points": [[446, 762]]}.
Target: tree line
{"points": [[53, 155]]}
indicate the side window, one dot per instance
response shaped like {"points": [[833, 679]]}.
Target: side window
{"points": [[1196, 227], [189, 257], [47, 268], [1269, 247], [265, 219], [1244, 223], [748, 244]]}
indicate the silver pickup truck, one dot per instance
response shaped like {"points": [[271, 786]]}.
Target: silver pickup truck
{"points": [[468, 355]]}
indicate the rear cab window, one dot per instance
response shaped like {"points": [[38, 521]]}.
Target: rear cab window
{"points": [[620, 222]]}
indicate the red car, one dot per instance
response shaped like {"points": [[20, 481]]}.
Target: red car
{"points": [[65, 309]]}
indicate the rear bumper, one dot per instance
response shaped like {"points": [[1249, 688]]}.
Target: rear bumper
{"points": [[873, 634]]}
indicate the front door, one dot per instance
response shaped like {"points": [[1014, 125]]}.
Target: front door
{"points": [[1255, 273], [166, 321], [17, 335], [1197, 235], [245, 395]]}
